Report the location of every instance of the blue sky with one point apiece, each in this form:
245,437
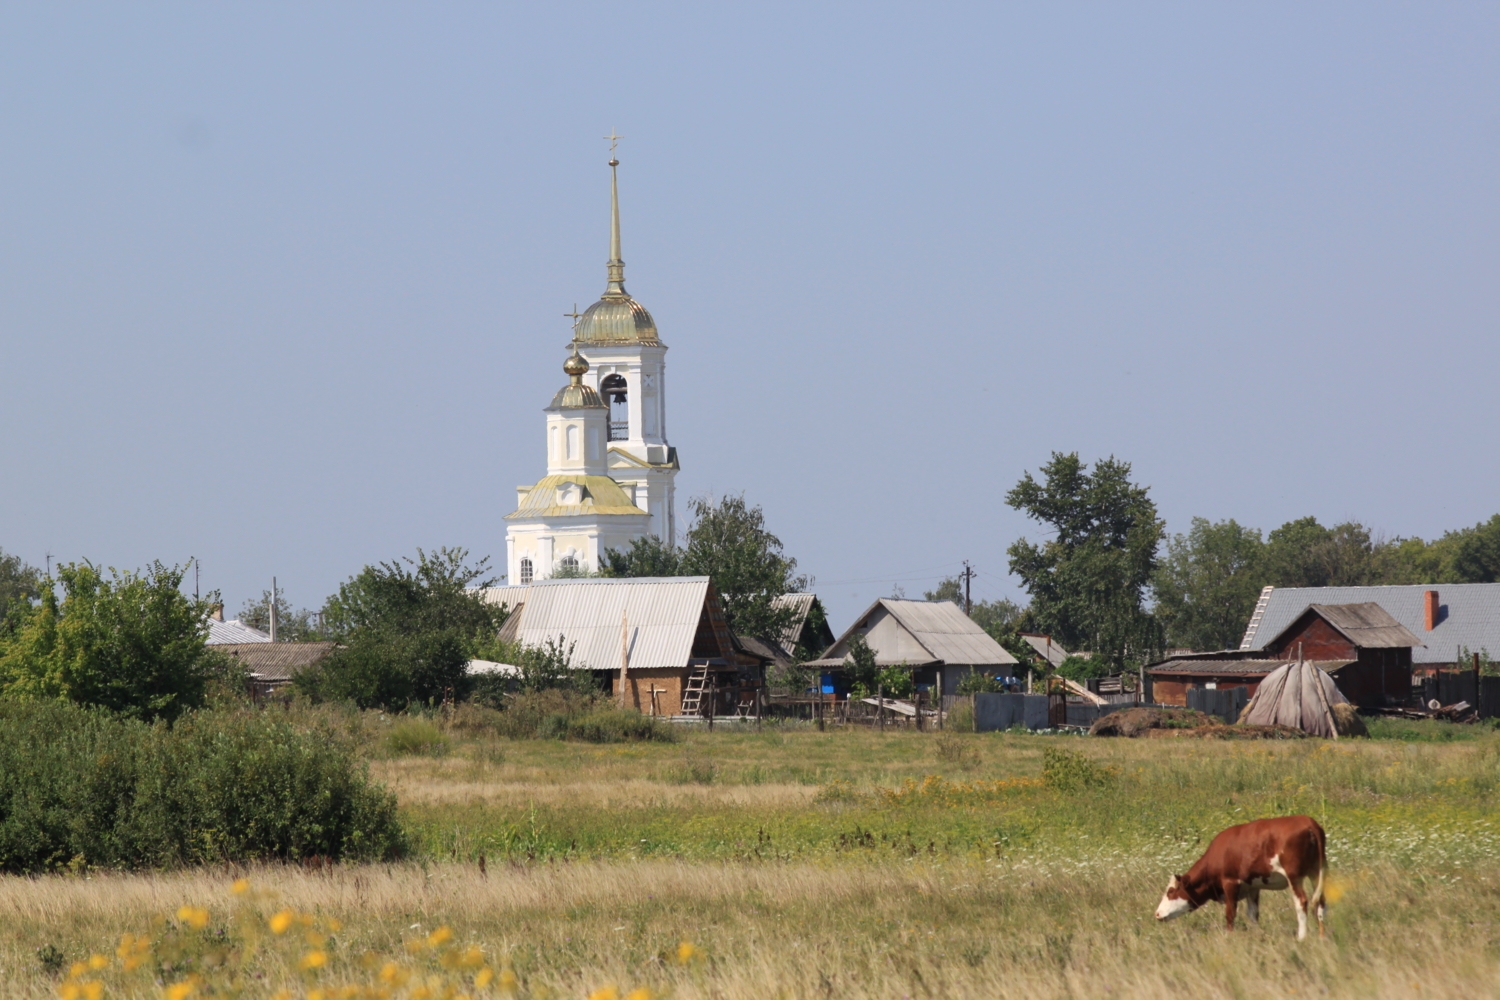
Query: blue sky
281,286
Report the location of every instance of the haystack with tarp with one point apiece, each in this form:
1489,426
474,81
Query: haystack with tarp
1298,695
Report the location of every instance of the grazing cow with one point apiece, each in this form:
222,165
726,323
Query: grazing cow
1243,860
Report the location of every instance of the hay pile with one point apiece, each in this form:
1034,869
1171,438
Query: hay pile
1138,721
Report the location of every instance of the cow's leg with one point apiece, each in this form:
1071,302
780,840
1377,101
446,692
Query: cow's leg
1231,897
1299,903
1252,905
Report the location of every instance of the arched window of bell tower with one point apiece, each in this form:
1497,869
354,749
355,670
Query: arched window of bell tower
612,388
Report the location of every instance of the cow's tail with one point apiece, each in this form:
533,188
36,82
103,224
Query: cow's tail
1316,900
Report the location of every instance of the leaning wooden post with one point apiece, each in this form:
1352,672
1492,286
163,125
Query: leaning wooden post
713,698
624,651
918,701
880,704
757,709
940,697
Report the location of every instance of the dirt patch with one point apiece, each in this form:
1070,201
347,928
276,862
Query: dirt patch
1139,721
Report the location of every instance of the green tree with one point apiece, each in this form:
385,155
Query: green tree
1475,553
18,586
292,625
727,540
860,670
1207,585
1087,583
648,556
407,632
133,643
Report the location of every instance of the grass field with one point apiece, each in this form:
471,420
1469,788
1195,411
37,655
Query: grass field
804,864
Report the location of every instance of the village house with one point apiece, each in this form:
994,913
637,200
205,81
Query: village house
1367,652
1447,617
935,639
665,638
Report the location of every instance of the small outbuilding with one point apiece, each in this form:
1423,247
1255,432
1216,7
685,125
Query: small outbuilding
934,638
1366,651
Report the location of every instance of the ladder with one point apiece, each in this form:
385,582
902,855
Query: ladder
1255,617
692,695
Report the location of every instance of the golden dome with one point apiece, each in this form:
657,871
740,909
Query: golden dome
575,366
575,395
616,318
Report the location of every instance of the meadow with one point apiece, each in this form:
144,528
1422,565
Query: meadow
797,863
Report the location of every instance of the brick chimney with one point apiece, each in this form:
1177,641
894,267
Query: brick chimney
1430,609
217,614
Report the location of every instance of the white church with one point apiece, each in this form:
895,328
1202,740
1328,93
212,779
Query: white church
610,471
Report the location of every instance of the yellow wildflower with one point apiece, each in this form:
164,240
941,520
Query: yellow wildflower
686,952
483,976
334,925
472,957
508,980
240,887
97,961
314,939
314,995
440,936
179,991
639,993
605,993
93,989
195,917
394,975
70,990
281,921
313,960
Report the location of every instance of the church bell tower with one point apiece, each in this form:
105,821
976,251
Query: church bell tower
627,367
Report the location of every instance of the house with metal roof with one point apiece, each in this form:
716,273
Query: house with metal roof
660,640
232,632
1366,651
1444,617
935,638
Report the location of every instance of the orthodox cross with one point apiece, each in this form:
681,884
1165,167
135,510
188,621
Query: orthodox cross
614,140
575,315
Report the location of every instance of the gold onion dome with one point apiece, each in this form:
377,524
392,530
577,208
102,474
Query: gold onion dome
575,395
616,318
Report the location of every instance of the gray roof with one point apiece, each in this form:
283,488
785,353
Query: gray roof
938,628
801,604
1046,648
1366,625
1468,614
276,662
1227,667
233,631
660,618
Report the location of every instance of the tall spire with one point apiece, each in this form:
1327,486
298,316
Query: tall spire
616,266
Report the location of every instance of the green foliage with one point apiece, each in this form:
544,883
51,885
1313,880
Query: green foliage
978,682
82,786
1088,582
1071,771
545,667
1475,553
292,624
1207,585
561,714
406,633
20,584
860,671
613,725
133,644
1082,668
415,736
793,677
1487,666
727,540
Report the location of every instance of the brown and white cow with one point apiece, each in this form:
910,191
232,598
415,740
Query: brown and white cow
1243,860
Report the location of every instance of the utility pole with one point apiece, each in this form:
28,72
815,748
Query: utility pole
272,615
967,576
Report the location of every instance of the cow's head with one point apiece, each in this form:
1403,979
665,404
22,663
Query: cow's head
1176,900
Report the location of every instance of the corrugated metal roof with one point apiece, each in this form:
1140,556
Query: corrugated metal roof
801,604
1220,668
277,661
1468,614
232,632
661,617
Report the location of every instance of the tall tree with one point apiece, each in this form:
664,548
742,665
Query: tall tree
18,585
1207,585
727,540
1088,582
408,627
132,643
1475,552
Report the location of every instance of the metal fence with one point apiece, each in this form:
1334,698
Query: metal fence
1449,687
1226,703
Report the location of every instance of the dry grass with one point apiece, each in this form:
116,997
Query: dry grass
961,930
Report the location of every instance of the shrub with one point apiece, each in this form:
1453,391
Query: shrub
1071,771
612,725
954,749
560,714
83,787
415,736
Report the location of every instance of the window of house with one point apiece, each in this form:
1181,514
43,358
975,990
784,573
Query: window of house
526,571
